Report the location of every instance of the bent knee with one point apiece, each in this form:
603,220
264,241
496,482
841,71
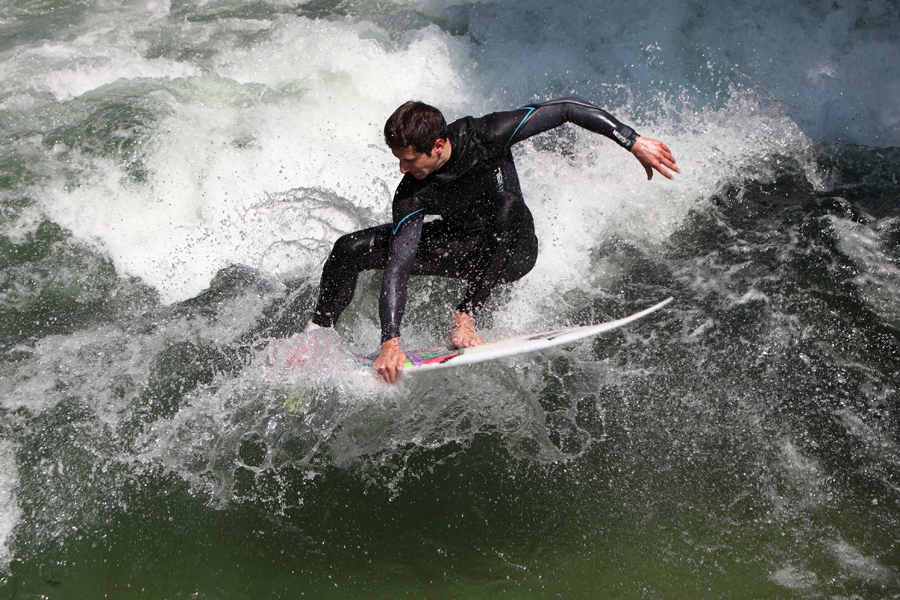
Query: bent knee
366,249
346,246
523,259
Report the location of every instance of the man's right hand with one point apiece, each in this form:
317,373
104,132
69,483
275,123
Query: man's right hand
389,363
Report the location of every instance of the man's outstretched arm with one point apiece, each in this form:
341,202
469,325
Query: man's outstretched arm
537,118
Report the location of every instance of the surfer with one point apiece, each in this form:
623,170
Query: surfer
464,174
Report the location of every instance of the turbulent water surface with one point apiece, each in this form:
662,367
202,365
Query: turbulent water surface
174,172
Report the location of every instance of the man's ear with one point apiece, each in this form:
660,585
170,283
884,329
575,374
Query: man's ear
439,145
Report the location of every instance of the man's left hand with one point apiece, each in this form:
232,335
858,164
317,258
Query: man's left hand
655,155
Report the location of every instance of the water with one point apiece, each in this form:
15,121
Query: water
172,175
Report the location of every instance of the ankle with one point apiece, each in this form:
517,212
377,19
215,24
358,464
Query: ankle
463,320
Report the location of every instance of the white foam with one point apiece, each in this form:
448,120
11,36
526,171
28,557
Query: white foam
104,50
303,107
879,274
225,150
860,566
10,513
795,578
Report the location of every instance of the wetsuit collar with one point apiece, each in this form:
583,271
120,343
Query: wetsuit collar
447,170
446,155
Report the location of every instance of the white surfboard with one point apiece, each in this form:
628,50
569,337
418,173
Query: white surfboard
444,357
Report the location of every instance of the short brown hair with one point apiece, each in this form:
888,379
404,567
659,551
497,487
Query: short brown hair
415,124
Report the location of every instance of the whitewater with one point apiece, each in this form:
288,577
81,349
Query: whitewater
172,177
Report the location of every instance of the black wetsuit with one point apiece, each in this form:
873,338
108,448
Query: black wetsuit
485,234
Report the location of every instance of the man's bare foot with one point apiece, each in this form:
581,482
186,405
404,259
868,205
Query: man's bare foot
304,351
462,331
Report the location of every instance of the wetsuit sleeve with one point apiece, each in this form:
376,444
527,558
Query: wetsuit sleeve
537,118
392,303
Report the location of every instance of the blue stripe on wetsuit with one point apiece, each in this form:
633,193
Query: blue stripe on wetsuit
397,228
530,110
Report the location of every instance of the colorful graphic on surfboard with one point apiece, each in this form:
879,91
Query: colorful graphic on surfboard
444,356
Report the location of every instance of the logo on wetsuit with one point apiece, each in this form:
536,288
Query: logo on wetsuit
499,175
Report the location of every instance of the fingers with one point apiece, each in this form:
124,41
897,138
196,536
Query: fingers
665,161
655,156
389,364
387,374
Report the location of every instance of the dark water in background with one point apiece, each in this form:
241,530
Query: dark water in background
172,176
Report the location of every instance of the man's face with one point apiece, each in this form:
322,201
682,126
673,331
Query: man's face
419,164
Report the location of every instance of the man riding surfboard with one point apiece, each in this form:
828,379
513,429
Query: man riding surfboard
463,173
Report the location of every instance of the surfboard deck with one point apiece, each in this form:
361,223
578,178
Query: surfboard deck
444,356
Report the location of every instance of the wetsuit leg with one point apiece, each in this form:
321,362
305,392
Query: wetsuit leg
482,261
352,254
483,258
519,257
501,253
